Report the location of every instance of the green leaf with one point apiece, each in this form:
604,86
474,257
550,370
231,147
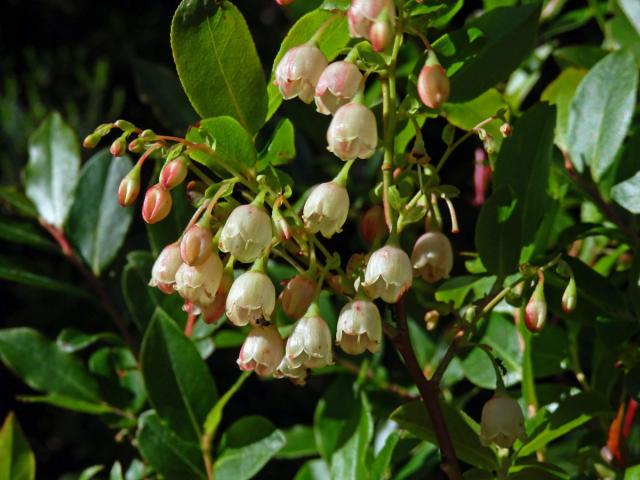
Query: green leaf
631,9
349,461
217,62
281,148
116,472
215,415
487,49
300,442
381,467
69,403
160,88
572,412
632,473
523,165
627,194
90,472
248,445
42,366
537,472
313,470
17,201
17,461
466,443
51,175
331,41
97,223
25,233
171,455
578,56
560,93
230,143
456,290
498,233
178,382
71,340
601,112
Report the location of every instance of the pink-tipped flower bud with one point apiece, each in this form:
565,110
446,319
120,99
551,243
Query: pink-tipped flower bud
298,375
432,256
506,129
570,297
337,85
198,284
118,147
502,422
381,32
359,327
157,204
353,132
195,246
246,233
298,72
326,209
309,344
297,295
281,227
129,187
388,274
284,3
213,312
373,226
252,299
481,177
174,173
363,13
433,86
163,273
261,351
536,310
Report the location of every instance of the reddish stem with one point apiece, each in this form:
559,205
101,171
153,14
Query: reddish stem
191,320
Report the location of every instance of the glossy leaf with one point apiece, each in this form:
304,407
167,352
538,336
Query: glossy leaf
71,340
90,472
627,194
466,443
69,403
51,175
249,444
24,233
560,93
578,56
178,382
281,148
17,201
487,49
17,461
43,366
601,112
381,467
456,290
217,62
97,223
631,10
300,442
171,455
332,39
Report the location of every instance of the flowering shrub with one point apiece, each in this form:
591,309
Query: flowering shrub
515,356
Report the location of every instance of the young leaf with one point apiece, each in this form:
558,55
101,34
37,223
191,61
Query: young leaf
97,223
217,62
171,455
601,113
17,461
52,172
178,382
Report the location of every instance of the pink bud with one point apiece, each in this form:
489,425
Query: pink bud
481,177
353,132
363,13
118,147
262,351
381,33
195,246
173,173
298,72
157,204
337,85
281,227
373,227
129,187
284,2
297,296
536,311
570,297
433,86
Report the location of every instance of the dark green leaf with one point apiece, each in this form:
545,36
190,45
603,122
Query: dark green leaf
466,443
578,56
627,194
71,340
69,403
160,88
120,378
25,234
97,223
52,172
349,461
300,442
601,112
559,93
249,444
218,64
487,49
17,461
42,366
281,148
171,455
179,385
18,202
332,39
498,232
381,467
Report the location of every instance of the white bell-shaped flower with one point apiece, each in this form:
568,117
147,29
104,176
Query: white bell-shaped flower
326,209
309,344
353,132
251,299
246,233
198,284
359,327
388,274
432,256
262,351
163,273
338,84
298,72
502,422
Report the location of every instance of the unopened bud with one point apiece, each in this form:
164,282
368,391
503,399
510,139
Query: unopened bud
173,173
373,227
136,145
281,227
570,297
506,129
129,187
433,86
297,296
381,32
157,204
195,246
125,125
431,319
195,191
91,140
536,311
148,135
118,147
481,177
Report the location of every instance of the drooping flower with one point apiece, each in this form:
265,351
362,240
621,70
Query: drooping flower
432,256
198,284
363,13
246,233
535,314
353,132
388,274
326,209
337,85
359,327
261,351
212,313
298,72
297,375
195,246
309,344
502,422
163,273
251,299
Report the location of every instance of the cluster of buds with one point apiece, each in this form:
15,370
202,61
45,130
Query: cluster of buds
373,20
